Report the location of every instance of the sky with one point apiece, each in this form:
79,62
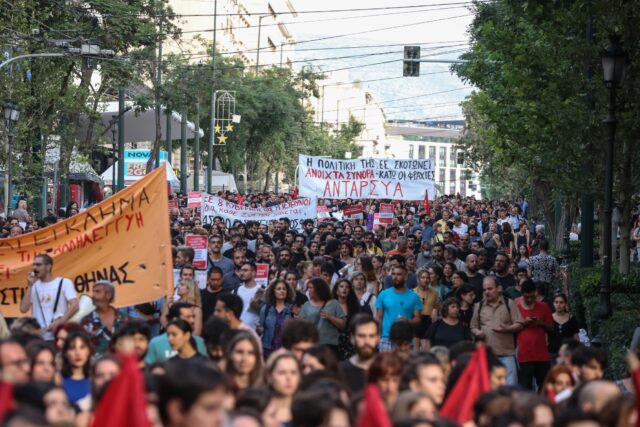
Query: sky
450,29
435,21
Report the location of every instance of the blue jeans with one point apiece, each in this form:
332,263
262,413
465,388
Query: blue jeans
509,362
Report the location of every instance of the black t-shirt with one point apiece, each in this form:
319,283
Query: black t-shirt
506,281
209,300
354,376
441,333
560,332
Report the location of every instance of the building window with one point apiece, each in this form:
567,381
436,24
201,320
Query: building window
452,175
442,176
463,188
452,158
432,154
452,188
421,151
443,157
411,152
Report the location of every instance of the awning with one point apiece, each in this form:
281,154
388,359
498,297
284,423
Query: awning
139,126
107,176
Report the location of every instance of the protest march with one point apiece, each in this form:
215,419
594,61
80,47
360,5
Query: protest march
360,299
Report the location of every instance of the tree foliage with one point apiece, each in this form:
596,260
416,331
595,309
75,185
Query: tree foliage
535,124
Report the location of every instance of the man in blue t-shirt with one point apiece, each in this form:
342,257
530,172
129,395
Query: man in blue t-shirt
397,303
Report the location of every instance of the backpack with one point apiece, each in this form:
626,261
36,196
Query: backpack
506,303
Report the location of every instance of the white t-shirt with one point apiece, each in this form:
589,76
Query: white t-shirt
43,298
461,229
247,294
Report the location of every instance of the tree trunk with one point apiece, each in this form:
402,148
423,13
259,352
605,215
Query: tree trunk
542,190
266,178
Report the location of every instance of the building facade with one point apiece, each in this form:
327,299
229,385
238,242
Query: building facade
255,30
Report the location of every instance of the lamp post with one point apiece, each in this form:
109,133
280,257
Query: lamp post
614,64
11,116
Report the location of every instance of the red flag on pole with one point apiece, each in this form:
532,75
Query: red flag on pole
124,404
472,383
373,413
427,210
295,192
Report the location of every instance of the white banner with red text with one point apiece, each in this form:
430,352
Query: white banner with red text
365,178
296,210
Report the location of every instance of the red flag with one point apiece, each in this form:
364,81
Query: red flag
472,383
124,404
6,399
373,412
427,209
295,192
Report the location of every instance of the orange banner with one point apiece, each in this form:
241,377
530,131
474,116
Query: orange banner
124,239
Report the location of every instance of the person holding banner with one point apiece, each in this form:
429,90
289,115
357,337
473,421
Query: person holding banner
53,300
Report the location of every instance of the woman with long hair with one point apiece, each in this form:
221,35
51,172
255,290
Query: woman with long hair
435,281
371,276
76,365
277,309
244,360
565,324
283,377
324,312
294,282
523,236
377,262
466,295
346,253
430,306
189,292
522,257
345,295
366,299
180,337
42,357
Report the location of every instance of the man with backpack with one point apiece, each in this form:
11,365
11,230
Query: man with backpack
496,321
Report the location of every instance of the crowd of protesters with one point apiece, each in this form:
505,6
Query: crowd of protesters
402,307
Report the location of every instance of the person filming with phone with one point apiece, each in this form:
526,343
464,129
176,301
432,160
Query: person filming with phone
53,300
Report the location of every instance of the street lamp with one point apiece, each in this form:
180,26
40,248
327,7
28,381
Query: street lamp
11,116
614,64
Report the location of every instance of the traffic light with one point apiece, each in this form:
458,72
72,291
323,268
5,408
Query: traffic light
410,67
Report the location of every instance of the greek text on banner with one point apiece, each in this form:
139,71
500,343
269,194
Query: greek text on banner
296,210
365,178
124,239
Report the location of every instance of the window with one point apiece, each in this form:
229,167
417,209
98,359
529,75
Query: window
411,152
441,177
443,157
421,151
452,175
452,188
452,158
463,188
432,154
